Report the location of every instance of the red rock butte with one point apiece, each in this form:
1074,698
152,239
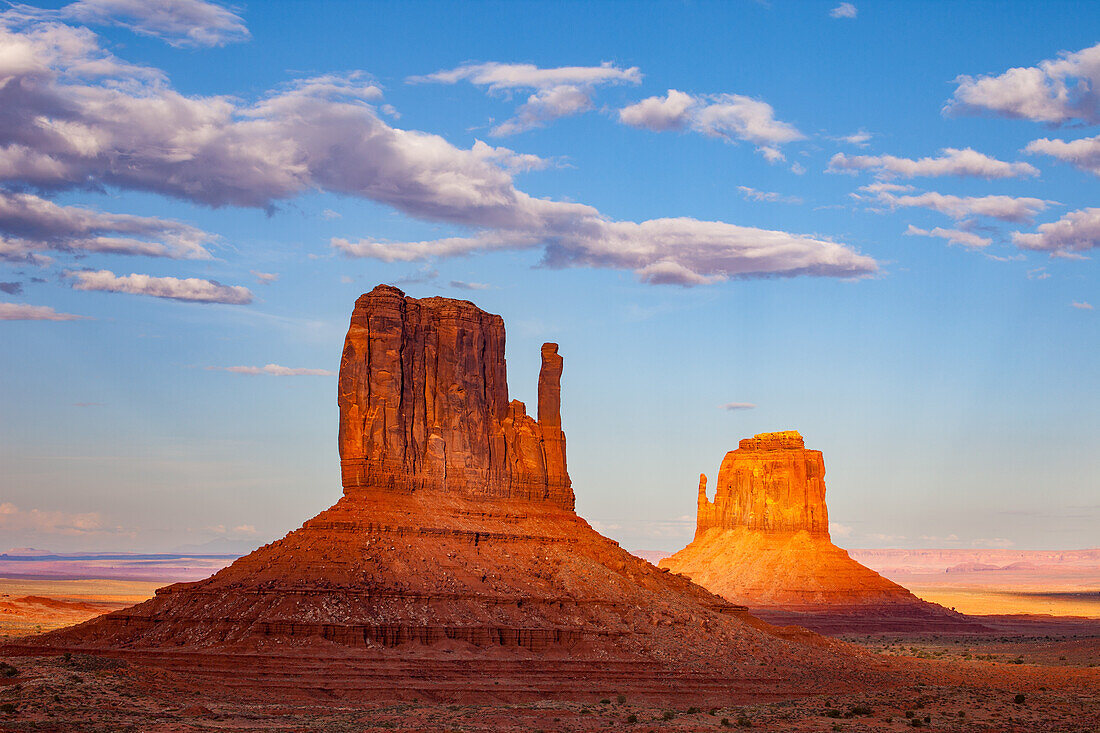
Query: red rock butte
763,541
454,567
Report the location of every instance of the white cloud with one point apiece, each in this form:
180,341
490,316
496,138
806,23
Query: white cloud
22,312
836,529
124,127
751,194
38,224
1056,91
1039,273
264,278
14,519
953,236
659,113
1006,208
738,406
859,139
1081,305
191,289
275,370
679,251
178,22
1075,232
952,162
558,92
1084,153
727,116
462,285
844,10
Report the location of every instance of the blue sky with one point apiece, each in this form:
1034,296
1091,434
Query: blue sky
874,223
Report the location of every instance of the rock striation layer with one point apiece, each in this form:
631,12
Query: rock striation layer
454,567
763,541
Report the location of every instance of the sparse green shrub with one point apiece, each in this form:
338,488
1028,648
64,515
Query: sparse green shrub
7,670
7,707
632,718
668,715
692,710
713,711
1019,699
832,713
909,713
726,723
915,723
605,701
859,710
743,721
620,698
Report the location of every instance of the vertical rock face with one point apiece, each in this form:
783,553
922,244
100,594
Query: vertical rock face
430,578
424,405
771,483
764,542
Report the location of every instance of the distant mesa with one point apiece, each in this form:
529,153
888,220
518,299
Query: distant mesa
763,542
454,567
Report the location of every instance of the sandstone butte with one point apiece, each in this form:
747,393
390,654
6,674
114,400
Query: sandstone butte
454,567
763,542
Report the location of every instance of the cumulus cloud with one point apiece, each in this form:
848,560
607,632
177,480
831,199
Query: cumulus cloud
1075,232
1081,305
738,406
35,224
844,10
1057,91
859,139
558,92
23,312
953,236
178,22
751,194
727,116
1017,209
952,162
190,289
15,519
1083,153
275,370
72,115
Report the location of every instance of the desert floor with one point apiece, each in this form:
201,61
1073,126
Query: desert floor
954,683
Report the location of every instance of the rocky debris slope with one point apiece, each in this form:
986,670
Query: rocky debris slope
454,566
763,541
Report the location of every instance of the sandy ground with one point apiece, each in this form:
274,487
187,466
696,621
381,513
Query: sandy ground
34,606
961,683
81,693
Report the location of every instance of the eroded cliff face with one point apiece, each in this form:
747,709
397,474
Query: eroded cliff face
453,567
764,542
771,483
424,405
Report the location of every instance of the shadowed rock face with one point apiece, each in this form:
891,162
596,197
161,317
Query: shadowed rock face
770,483
424,405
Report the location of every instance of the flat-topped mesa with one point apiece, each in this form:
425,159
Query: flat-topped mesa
770,483
424,405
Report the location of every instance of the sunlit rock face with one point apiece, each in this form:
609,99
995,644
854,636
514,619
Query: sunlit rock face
454,566
763,541
771,483
424,404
